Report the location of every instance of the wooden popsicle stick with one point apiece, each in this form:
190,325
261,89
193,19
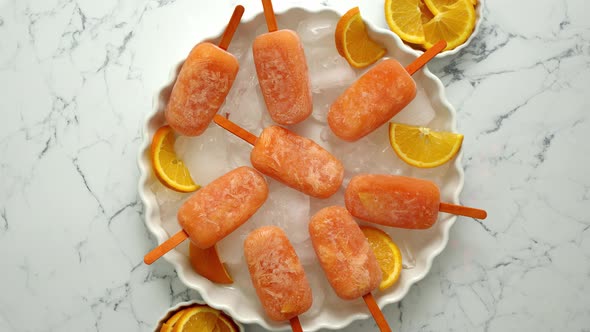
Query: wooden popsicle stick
231,28
235,129
463,210
163,248
295,324
425,57
269,15
376,312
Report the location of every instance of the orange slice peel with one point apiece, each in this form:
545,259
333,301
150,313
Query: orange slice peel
388,255
353,41
423,147
168,168
207,263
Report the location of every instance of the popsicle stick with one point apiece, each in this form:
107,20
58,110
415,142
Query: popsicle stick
163,248
376,312
295,324
232,26
235,129
463,210
425,57
269,15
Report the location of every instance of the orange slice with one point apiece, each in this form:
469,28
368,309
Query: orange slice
437,6
197,319
404,18
206,262
454,23
167,327
425,13
423,147
226,324
170,170
222,322
387,253
353,41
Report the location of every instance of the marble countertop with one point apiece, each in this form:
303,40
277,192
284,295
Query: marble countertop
77,79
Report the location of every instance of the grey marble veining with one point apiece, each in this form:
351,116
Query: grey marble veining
77,79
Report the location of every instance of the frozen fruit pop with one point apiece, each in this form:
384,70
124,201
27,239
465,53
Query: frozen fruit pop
376,97
282,72
217,209
203,83
222,206
296,161
277,274
345,255
399,201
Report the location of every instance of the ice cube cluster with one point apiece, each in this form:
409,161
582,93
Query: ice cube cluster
216,152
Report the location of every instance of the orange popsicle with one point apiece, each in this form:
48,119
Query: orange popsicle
344,253
222,206
203,83
371,101
277,274
376,97
346,258
216,210
399,201
282,72
298,162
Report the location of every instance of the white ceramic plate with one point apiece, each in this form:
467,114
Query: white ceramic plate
217,152
478,19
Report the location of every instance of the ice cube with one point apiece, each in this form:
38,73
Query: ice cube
317,204
261,29
238,152
231,248
355,155
383,159
319,286
408,259
242,282
241,47
322,100
333,141
316,30
288,209
265,119
165,195
243,103
305,251
371,154
436,174
329,70
247,112
205,155
418,113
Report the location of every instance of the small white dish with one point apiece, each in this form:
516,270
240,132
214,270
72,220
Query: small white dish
478,19
170,312
430,108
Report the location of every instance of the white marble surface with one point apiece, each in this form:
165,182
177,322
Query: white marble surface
77,79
